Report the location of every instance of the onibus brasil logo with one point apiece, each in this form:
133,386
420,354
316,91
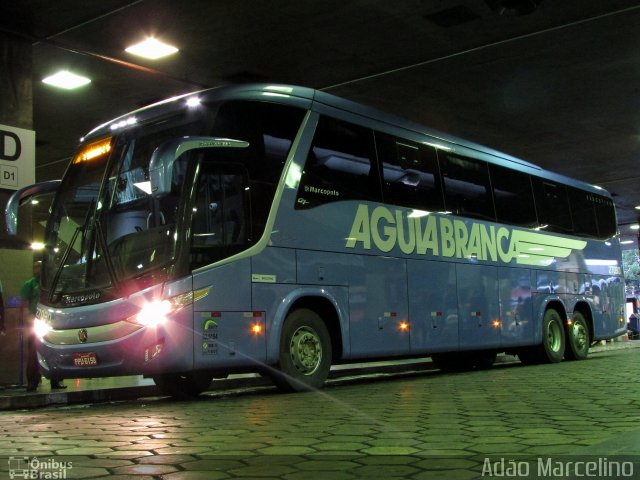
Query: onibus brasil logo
452,238
38,468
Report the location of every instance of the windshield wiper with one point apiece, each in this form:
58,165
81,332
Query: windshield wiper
107,255
63,261
67,251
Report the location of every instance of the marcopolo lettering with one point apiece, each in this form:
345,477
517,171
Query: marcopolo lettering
449,237
10,146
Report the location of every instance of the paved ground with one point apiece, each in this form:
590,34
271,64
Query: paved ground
426,425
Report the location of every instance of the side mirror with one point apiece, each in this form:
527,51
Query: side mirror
19,197
163,158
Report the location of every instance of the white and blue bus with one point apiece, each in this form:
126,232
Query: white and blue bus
281,230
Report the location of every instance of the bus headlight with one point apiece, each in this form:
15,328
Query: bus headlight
41,328
156,312
153,313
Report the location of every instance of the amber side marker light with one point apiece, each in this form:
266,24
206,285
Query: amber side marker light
403,326
495,323
256,328
93,150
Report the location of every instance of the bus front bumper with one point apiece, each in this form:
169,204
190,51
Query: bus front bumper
140,351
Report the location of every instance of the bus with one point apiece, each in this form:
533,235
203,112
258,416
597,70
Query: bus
281,230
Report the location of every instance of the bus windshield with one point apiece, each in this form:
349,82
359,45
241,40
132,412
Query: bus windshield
107,228
68,232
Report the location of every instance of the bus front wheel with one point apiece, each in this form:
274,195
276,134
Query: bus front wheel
305,352
578,340
182,386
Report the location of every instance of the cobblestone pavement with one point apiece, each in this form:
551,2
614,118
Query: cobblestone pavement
431,425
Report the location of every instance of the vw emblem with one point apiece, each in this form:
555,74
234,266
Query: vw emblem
83,335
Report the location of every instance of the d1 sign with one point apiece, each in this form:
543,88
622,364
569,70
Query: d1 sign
17,157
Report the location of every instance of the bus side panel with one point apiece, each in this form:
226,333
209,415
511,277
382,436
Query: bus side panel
227,339
230,287
516,308
324,268
222,320
377,305
433,306
478,306
274,265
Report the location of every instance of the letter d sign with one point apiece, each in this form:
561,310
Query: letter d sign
10,146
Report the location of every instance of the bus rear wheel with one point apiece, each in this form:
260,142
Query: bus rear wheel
305,352
578,339
182,386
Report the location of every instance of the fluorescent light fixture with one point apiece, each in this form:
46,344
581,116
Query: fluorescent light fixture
635,226
627,242
152,49
67,80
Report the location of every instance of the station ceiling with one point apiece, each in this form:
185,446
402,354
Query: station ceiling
554,82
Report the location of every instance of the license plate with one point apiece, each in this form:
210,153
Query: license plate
85,360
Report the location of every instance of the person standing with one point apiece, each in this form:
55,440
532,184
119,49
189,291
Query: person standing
29,296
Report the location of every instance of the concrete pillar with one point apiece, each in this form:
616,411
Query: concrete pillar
16,110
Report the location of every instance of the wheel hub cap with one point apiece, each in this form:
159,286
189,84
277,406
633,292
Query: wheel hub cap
305,350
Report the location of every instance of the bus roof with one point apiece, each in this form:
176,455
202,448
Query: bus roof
291,94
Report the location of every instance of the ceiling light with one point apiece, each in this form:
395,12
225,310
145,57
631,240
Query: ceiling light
626,242
67,80
635,226
637,207
152,49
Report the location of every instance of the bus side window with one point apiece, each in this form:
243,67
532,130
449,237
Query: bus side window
583,212
513,197
340,166
552,205
466,186
219,222
409,173
605,216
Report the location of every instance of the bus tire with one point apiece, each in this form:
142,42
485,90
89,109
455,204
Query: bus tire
578,339
552,348
305,352
553,337
182,386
